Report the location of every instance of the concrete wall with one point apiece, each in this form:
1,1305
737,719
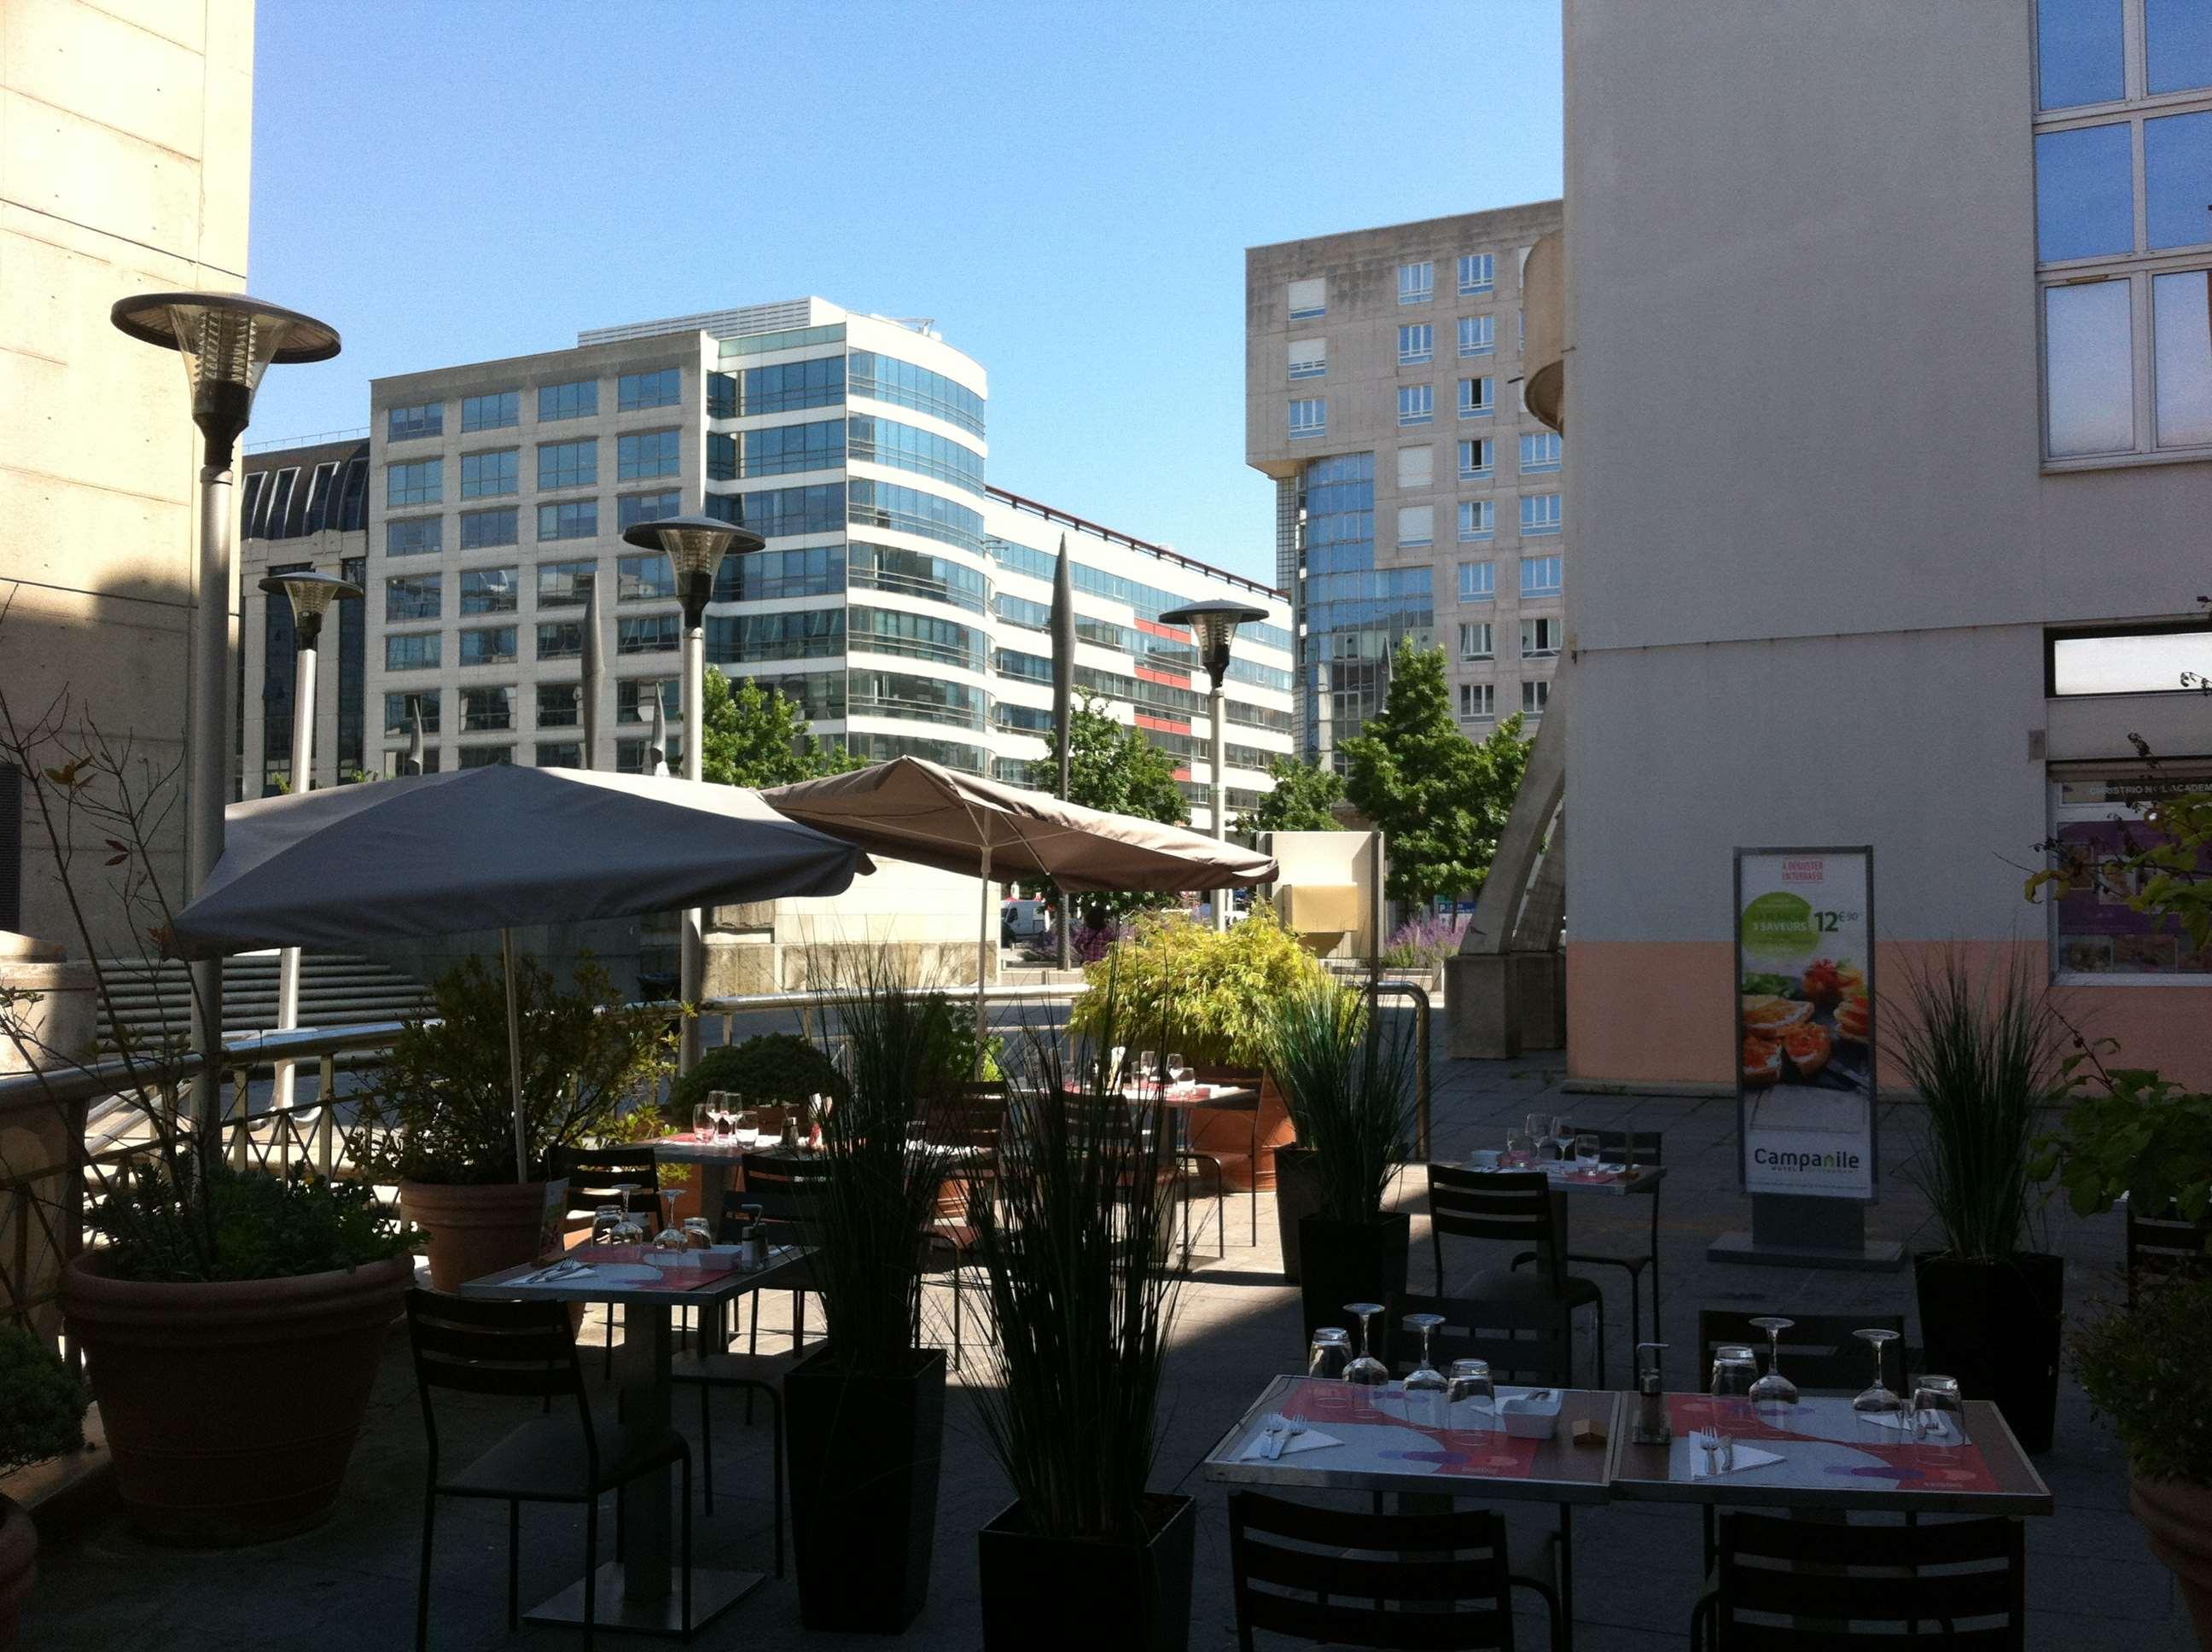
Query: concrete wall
928,921
125,137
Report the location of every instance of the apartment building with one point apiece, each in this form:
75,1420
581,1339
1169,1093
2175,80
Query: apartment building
1414,494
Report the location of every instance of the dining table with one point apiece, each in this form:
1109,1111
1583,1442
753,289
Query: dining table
638,1591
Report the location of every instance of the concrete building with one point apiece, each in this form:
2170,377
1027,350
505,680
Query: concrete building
1414,495
1891,388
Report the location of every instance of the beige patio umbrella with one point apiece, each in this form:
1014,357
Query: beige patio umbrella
915,811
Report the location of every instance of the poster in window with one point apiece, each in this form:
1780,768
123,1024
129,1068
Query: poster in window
2099,825
1805,1021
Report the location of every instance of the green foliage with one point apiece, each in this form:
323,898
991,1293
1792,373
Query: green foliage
2130,1134
588,1057
2149,1368
41,1405
1209,994
1348,1079
774,1068
1303,796
264,1227
755,737
1440,800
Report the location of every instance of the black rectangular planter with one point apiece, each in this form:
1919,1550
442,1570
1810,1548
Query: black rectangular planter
1996,1327
1074,1594
1298,1195
1350,1261
864,1454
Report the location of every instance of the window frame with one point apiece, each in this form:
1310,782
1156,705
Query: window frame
1417,344
1478,273
1486,344
1424,406
1416,282
1315,425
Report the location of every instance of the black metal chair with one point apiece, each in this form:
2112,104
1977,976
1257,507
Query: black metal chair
752,1375
1529,1343
2166,1246
1436,1580
1821,1352
596,1177
1247,1078
527,1350
782,1185
1636,1148
1515,1209
1961,1585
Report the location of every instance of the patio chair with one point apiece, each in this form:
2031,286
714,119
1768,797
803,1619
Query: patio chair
595,1176
753,1375
1527,1343
782,1187
1635,1148
1247,1078
1871,1586
1515,1209
2166,1246
1338,1577
525,1349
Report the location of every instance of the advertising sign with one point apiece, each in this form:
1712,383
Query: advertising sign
1805,1021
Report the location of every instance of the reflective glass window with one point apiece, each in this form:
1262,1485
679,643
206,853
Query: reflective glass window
2081,51
2088,352
2084,192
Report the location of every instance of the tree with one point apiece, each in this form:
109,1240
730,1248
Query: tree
755,737
1301,801
1112,765
1440,799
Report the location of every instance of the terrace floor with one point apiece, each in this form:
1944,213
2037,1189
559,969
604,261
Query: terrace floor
2092,1581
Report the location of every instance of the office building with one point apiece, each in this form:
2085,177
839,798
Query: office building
1414,495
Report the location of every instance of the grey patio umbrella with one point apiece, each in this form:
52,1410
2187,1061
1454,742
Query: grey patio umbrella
492,848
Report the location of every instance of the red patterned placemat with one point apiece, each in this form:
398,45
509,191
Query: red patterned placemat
1479,1453
1904,1463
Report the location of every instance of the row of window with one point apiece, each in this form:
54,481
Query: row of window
1541,453
1540,576
489,529
1149,601
1416,405
1308,297
1478,701
501,410
1540,638
276,505
1478,520
493,472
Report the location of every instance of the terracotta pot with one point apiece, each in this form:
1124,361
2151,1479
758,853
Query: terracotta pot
231,1409
2177,1517
1212,1131
476,1230
19,1566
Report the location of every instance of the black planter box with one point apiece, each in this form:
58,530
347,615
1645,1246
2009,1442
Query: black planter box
1075,1594
1350,1261
1298,1195
1996,1327
864,1454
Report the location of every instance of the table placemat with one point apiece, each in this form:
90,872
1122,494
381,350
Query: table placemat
1825,1440
1373,1423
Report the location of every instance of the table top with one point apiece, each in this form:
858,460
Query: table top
1833,1459
1383,1450
685,1148
1566,1179
1179,1095
617,1273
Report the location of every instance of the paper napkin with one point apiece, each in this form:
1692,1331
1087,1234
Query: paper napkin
1746,1457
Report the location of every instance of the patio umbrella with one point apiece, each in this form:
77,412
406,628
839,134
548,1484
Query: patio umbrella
916,811
491,848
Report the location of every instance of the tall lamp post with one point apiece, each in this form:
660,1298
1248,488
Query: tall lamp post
696,545
1215,624
228,341
312,595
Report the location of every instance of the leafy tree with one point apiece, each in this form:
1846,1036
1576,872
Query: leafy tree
1300,802
1112,765
755,737
1440,799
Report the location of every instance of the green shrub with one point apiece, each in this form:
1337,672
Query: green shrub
261,1226
1348,1079
1214,993
41,1405
2149,1368
776,1067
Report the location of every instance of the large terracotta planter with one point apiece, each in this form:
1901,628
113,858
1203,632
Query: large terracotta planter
19,1565
1215,1132
2177,1517
475,1230
231,1409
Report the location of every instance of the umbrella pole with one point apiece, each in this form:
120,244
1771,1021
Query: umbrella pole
514,1056
982,958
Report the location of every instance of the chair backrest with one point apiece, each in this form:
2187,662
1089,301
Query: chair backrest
1236,1078
485,1346
1820,1351
781,1184
1525,1342
1625,1146
594,1173
1514,1208
2166,1246
970,1115
1960,1585
1355,1579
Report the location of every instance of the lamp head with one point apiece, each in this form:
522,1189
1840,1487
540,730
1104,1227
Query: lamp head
312,595
228,341
1214,624
696,546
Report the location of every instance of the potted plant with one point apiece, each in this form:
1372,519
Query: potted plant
2148,1367
1349,1077
1079,1249
442,1111
41,1416
773,1067
1986,1054
864,1414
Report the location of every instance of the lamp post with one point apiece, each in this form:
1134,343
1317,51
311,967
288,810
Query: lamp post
696,546
1215,625
312,595
228,341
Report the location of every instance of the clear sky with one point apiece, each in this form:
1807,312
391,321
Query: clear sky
1067,189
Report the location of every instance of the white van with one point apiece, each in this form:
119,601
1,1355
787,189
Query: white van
1023,920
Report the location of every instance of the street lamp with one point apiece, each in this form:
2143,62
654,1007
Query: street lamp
1215,625
696,546
228,341
312,595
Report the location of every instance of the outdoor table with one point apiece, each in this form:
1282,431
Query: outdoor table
1565,1179
1383,1450
1181,1100
639,1591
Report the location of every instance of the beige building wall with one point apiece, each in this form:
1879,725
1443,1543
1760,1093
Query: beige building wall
125,167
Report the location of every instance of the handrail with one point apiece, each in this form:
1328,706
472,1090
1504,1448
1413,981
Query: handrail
90,1081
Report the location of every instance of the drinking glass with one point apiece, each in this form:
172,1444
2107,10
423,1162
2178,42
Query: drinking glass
1518,1154
1774,1389
1939,1411
1878,1400
1539,1125
1586,1158
1178,1069
1470,1380
1147,1065
628,1230
1735,1369
697,1234
1330,1353
1544,1137
1366,1370
604,1220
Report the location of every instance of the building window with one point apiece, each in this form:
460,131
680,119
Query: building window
635,756
721,395
1417,403
401,709
568,463
413,650
1542,576
414,423
1416,526
1417,344
2154,660
1477,459
787,449
489,591
573,518
485,710
413,597
1309,358
560,754
819,381
633,508
421,481
1541,453
649,453
490,645
645,578
489,475
1309,297
414,535
1477,640
1535,695
1310,417
500,410
1539,638
559,640
485,756
578,400
1417,468
634,391
722,456
2099,818
1478,701
1478,581
482,529
1478,334
648,634
634,699
1477,398
557,707
1539,513
1477,272
562,585
1477,519
1416,282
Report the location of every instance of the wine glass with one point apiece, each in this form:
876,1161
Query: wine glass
1366,1370
1878,1400
1330,1353
1773,1390
1939,1411
1518,1153
604,1220
1425,1384
1148,1063
1178,1069
1586,1154
671,1236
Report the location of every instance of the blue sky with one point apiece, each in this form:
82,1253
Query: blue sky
1068,189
